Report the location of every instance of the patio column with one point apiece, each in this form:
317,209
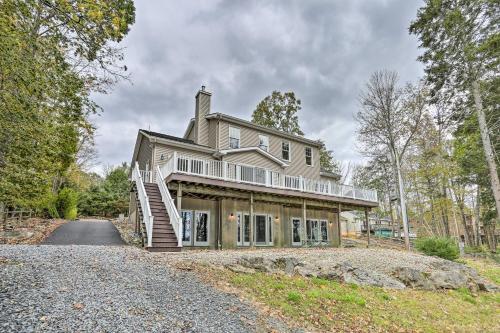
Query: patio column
339,225
251,220
367,226
179,198
304,217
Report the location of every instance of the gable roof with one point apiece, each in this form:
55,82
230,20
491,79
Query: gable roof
189,128
247,123
256,149
168,137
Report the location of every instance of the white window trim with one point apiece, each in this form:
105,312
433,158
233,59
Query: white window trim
312,156
267,137
289,150
193,228
299,243
239,136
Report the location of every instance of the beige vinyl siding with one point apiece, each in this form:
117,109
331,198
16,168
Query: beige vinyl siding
167,150
252,158
144,154
212,133
201,124
249,137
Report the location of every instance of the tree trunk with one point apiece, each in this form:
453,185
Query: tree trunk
403,202
488,149
477,215
444,212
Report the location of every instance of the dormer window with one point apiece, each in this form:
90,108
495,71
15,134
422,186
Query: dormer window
309,155
285,150
264,142
234,137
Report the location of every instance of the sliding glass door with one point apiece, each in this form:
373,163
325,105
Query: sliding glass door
317,231
195,227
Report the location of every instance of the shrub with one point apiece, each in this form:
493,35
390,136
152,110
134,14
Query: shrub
293,296
440,247
67,201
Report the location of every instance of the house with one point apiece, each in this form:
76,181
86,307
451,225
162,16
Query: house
349,224
229,183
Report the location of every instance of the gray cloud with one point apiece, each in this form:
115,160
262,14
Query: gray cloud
324,51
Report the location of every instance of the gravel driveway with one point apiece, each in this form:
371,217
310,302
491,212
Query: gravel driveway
51,288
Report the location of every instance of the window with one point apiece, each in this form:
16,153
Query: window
317,231
285,150
234,137
309,155
296,231
264,142
201,228
187,221
263,229
243,223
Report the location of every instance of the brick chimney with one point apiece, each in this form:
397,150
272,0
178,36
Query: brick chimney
202,108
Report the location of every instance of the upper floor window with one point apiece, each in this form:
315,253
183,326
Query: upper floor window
285,150
234,137
264,142
309,155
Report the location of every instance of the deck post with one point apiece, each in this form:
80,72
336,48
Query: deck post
367,226
304,224
179,198
339,225
251,220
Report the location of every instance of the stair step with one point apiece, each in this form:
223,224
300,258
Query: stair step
164,249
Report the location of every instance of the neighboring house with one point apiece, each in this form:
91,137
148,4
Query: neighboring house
350,224
229,183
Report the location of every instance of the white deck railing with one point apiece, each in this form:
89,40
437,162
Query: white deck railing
175,218
144,201
240,173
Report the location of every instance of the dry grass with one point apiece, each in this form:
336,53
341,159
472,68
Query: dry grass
30,231
324,306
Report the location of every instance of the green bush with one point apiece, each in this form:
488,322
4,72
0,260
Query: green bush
67,201
440,247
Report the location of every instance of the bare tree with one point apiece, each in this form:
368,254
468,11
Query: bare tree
389,117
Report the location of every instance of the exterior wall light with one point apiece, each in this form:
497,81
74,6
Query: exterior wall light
232,218
276,219
162,157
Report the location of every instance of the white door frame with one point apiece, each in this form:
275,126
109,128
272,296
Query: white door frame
268,237
190,242
240,216
196,243
299,243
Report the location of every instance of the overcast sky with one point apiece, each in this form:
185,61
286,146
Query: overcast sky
324,51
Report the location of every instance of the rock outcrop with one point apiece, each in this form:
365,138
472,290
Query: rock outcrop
442,274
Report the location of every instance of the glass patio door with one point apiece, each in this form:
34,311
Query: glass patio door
296,231
317,231
243,226
187,222
201,228
263,231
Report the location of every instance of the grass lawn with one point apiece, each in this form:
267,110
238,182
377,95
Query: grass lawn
331,306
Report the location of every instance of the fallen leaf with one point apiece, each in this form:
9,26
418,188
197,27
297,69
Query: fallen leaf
78,306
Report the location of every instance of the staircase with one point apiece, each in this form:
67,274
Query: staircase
164,238
160,222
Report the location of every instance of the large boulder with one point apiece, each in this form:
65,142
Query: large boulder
440,274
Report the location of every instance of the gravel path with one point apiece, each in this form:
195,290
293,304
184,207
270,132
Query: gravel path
82,288
380,260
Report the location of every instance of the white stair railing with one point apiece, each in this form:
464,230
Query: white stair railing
144,201
175,218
